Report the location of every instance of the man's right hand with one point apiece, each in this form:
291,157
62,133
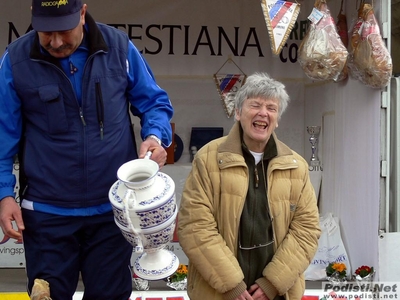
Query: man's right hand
10,211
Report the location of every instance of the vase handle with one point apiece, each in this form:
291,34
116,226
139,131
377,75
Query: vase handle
129,203
148,155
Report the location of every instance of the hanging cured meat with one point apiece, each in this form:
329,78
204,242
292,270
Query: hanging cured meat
341,26
322,54
369,60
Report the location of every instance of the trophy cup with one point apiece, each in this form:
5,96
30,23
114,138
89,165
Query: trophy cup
313,131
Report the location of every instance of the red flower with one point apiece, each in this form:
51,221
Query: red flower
364,271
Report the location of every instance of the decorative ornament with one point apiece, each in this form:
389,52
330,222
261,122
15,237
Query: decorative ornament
280,17
227,86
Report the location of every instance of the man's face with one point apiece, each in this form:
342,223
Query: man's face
62,44
259,118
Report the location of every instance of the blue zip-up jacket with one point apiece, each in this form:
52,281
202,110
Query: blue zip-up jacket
73,147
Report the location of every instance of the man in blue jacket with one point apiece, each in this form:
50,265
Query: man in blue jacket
66,89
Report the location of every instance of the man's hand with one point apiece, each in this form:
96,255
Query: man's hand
10,211
159,155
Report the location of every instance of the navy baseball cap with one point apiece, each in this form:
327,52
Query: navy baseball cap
55,15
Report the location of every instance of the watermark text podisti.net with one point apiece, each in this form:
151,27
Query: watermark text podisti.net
354,290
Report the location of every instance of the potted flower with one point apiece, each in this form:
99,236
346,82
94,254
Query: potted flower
336,268
364,271
336,272
364,274
178,280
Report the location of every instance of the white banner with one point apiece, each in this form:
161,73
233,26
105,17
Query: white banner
184,37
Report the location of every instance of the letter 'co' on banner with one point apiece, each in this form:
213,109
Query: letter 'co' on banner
280,17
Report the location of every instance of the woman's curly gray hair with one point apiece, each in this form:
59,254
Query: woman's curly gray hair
261,85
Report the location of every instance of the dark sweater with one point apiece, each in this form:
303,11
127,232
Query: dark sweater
255,223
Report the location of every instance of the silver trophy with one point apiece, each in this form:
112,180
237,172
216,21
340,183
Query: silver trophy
313,131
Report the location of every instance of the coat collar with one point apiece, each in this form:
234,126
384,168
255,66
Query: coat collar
233,143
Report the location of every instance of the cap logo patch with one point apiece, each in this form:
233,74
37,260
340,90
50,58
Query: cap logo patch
54,3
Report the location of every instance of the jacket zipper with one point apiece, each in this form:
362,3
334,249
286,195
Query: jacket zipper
81,116
100,109
256,178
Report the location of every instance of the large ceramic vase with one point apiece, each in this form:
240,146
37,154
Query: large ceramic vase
144,206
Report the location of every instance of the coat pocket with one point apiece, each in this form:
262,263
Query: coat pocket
53,101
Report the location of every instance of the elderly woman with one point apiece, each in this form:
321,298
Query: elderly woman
248,219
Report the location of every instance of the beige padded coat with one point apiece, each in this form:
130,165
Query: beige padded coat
210,210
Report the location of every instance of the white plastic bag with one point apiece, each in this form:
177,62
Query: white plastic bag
330,249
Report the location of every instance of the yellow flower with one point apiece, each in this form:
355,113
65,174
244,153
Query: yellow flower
180,273
340,267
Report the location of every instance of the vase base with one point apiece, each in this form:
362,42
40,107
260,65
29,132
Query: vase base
156,265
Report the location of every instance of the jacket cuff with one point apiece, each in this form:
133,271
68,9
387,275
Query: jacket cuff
235,292
267,287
